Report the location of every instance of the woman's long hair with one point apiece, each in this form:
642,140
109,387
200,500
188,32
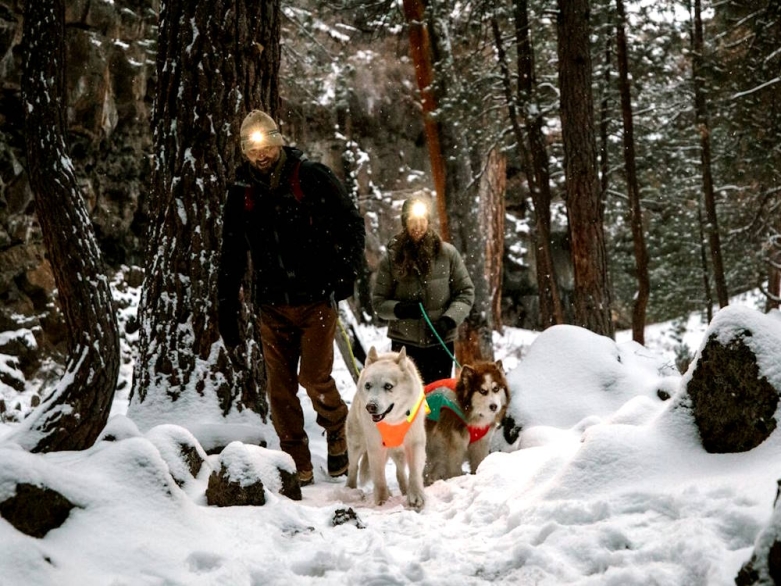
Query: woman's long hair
412,257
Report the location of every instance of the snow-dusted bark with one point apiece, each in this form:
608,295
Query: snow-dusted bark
77,410
216,61
584,205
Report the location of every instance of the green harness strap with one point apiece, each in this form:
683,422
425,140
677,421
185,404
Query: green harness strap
443,397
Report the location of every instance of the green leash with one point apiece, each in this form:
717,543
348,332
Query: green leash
430,325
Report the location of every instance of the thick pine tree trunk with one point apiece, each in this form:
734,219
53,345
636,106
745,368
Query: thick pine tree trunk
703,126
633,189
584,205
211,72
76,411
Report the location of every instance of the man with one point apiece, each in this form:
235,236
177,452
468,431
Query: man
306,240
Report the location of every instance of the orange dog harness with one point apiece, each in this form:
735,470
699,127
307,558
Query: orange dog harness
393,435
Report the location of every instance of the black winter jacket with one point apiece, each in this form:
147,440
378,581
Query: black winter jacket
302,251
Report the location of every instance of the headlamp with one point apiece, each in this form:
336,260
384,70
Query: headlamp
256,136
419,210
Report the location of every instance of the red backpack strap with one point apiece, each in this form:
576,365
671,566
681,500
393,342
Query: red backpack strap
249,201
295,183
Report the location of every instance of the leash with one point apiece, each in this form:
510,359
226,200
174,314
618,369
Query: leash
433,329
349,346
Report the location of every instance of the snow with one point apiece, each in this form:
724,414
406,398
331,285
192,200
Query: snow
607,485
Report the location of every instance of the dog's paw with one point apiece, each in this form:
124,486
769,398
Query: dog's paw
415,501
381,496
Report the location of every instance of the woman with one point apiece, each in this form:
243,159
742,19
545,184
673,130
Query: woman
419,268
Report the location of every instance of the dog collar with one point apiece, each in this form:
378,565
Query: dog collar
393,434
477,433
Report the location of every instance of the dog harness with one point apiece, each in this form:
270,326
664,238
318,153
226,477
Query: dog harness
393,434
440,395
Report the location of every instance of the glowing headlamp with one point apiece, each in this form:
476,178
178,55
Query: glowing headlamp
256,136
419,210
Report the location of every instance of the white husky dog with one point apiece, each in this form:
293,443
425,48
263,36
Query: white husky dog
387,418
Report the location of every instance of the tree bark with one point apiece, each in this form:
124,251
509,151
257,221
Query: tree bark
534,160
76,411
633,189
584,205
420,49
211,73
703,126
551,308
452,174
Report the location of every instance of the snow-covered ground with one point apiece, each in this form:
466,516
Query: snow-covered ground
607,485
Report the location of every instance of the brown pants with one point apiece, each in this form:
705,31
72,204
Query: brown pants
306,333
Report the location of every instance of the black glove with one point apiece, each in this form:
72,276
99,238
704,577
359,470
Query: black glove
407,310
443,325
229,328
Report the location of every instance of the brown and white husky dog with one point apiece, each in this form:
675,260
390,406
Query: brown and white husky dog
464,415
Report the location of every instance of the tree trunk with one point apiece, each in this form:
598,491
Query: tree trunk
584,206
493,184
76,411
534,160
636,213
467,231
420,49
453,181
551,309
211,72
703,126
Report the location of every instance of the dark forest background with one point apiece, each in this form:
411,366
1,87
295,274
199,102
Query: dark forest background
685,127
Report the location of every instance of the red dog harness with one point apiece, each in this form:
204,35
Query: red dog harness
440,395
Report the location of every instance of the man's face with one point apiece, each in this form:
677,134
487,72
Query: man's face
263,158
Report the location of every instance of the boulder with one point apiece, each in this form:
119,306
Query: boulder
35,510
733,403
243,472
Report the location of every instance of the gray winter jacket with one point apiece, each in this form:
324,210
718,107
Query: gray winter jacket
447,290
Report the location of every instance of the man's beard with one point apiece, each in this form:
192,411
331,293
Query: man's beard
416,257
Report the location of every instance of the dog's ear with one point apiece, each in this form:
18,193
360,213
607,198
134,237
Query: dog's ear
466,372
401,358
371,356
499,366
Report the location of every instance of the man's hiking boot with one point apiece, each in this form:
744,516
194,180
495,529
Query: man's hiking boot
305,477
337,453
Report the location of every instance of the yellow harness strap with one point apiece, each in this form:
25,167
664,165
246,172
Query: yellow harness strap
393,435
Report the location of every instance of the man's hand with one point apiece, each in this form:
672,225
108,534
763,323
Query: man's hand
407,310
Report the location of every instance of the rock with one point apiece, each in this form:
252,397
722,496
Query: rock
35,510
243,472
180,450
733,405
764,567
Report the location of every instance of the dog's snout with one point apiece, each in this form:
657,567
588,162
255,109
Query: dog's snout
494,407
372,408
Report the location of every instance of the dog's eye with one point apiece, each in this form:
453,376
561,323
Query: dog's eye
367,386
483,391
387,386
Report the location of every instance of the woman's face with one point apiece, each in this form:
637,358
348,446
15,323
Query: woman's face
417,226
